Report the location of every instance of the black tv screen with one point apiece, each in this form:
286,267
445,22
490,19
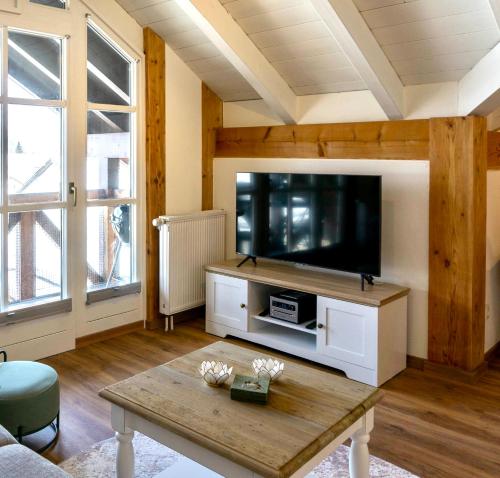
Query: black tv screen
323,220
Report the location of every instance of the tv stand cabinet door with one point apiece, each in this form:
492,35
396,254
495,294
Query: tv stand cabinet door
347,332
227,301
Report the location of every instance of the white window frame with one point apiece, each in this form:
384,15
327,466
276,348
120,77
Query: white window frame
36,308
134,286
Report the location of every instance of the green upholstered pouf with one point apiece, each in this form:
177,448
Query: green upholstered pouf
29,397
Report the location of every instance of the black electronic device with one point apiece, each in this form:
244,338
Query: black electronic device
292,306
325,220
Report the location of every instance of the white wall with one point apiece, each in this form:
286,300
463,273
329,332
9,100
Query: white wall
493,261
347,107
183,136
427,101
329,108
421,101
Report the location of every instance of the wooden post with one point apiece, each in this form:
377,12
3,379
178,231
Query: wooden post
211,119
493,150
457,241
154,49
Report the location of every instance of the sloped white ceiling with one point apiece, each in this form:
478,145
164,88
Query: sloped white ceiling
431,41
186,39
426,41
296,42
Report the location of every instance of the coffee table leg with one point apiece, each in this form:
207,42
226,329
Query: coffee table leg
359,456
125,460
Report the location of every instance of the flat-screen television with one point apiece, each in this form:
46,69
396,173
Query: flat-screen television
324,220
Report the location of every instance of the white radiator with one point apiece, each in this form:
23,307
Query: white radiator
187,244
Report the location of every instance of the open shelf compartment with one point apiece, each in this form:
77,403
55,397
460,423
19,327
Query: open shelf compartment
289,325
286,339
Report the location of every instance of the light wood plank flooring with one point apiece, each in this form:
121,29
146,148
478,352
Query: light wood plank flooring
433,427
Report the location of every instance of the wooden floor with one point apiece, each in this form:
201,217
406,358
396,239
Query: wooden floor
429,425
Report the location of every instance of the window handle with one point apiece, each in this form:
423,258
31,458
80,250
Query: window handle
73,190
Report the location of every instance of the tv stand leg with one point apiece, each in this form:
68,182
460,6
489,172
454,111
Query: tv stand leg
368,278
254,260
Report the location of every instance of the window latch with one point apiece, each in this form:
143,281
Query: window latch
73,190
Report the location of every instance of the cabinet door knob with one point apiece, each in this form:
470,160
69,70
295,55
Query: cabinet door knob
242,306
320,326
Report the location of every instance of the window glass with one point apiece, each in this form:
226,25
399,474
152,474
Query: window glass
110,162
108,246
108,155
108,72
34,66
51,3
34,256
34,159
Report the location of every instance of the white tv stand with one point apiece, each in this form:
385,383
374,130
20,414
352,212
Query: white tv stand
362,333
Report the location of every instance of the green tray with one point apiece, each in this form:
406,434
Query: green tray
250,389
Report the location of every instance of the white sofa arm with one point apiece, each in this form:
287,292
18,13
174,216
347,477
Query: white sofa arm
6,438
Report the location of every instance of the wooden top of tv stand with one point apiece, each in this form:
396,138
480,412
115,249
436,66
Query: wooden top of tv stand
325,284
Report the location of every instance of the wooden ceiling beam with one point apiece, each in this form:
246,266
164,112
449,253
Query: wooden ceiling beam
479,89
233,43
373,140
357,41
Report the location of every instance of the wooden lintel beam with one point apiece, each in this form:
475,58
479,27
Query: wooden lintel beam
211,120
373,140
154,49
493,150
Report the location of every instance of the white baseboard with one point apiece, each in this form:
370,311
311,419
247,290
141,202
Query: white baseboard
41,347
109,322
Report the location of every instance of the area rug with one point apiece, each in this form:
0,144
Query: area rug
151,458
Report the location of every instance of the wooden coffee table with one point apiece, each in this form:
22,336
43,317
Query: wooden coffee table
309,414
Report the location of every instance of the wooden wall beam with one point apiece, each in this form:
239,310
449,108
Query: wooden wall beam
154,49
493,150
457,241
373,140
211,120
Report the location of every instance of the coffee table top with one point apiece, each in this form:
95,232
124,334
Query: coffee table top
307,409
